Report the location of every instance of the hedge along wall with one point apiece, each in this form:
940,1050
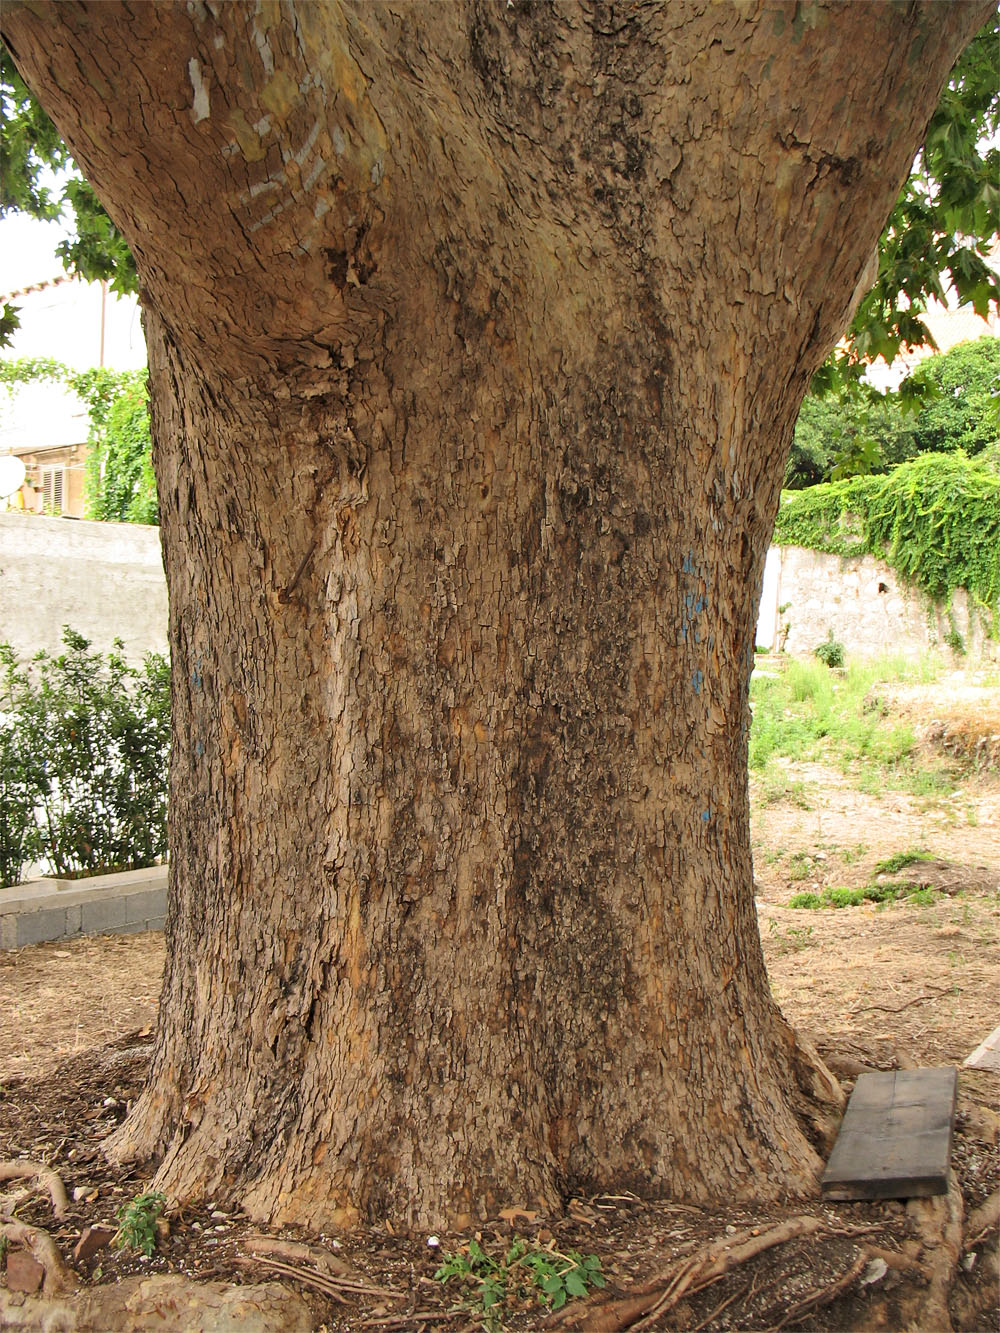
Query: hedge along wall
104,579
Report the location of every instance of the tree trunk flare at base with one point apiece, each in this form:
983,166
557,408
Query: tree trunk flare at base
477,335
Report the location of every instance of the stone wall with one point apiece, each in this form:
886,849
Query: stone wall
863,602
104,580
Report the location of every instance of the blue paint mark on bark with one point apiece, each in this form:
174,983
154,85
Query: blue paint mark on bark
696,681
706,815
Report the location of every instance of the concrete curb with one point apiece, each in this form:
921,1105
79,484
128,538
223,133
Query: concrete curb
52,909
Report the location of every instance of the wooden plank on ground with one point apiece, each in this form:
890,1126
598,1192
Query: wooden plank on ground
987,1053
895,1138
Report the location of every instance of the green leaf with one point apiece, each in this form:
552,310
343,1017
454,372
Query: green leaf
576,1283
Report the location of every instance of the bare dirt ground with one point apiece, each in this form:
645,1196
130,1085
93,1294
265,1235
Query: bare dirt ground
908,983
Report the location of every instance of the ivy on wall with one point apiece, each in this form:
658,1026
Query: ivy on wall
120,483
935,520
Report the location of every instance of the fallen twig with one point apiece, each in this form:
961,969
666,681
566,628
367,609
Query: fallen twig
901,1262
888,1009
325,1282
294,1251
58,1277
45,1176
387,1321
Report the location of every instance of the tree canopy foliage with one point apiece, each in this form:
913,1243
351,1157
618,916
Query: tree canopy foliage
39,177
868,433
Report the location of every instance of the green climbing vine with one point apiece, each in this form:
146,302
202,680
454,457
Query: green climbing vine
120,483
935,520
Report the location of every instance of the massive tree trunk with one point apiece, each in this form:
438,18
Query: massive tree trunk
477,333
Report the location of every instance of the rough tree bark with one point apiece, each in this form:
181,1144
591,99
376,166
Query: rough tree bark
477,333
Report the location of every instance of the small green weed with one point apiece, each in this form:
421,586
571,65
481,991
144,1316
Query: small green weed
551,1277
923,897
137,1223
799,866
805,900
843,897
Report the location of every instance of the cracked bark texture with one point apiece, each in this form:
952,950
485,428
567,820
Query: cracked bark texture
477,334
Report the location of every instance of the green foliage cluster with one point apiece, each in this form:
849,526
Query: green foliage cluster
121,487
943,224
83,760
830,652
34,162
137,1223
936,520
550,1277
951,402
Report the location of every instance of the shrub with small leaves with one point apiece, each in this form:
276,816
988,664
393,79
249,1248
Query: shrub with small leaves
83,760
831,651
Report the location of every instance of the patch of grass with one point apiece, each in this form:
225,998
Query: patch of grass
805,900
843,897
890,892
852,854
794,937
923,896
775,787
840,719
899,860
799,866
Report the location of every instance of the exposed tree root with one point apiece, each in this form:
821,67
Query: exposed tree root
901,1262
58,1278
642,1308
822,1295
297,1251
983,1219
940,1223
339,1288
44,1176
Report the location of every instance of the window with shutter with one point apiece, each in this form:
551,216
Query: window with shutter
52,489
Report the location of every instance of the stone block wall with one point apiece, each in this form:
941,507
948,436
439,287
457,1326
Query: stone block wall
49,909
864,602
